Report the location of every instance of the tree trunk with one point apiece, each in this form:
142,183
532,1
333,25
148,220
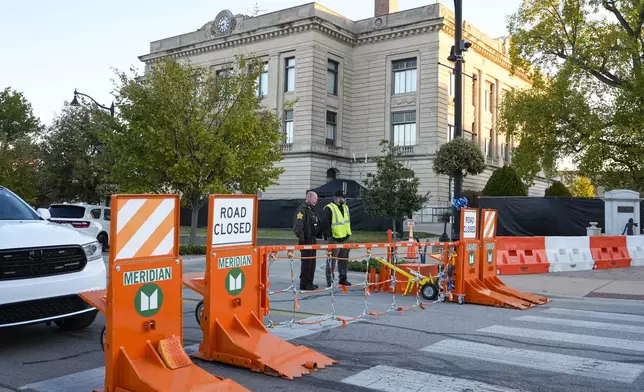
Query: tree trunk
195,206
393,227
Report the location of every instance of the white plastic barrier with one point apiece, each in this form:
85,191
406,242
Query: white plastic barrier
569,254
635,244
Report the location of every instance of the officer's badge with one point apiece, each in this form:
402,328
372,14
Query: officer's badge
300,215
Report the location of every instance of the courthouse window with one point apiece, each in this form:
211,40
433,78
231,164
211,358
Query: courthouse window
262,82
332,77
405,72
331,127
404,128
288,127
452,81
289,84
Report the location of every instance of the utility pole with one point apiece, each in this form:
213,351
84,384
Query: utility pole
456,56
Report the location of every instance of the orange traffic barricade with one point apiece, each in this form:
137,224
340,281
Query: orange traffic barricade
234,291
487,263
468,286
609,252
143,302
521,255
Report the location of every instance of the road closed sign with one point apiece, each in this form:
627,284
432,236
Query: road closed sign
469,221
233,221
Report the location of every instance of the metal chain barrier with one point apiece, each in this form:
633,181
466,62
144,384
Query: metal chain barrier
373,253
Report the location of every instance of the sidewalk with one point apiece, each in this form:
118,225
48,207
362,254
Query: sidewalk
622,283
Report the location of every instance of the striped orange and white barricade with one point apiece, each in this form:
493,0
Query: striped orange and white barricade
143,301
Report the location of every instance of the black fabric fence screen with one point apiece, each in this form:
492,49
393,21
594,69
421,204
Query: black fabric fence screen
278,214
545,216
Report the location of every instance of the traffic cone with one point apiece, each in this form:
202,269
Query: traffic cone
411,249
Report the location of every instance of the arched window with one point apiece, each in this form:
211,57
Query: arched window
331,174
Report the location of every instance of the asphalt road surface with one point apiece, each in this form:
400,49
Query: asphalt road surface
566,346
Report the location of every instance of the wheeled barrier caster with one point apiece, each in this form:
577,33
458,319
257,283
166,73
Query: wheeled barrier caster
199,312
103,338
461,299
429,291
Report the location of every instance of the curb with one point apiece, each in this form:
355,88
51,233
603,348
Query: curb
625,302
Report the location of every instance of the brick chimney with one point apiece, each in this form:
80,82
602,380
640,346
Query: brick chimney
385,7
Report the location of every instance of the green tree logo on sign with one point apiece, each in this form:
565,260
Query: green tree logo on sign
471,258
148,300
235,281
489,256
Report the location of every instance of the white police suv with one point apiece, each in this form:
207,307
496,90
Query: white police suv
43,268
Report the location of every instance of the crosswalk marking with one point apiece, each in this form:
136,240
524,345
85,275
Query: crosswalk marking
390,379
589,340
539,360
591,314
582,324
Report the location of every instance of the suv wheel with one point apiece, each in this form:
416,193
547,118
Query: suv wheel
75,323
102,239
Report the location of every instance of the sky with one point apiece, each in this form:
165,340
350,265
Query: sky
49,48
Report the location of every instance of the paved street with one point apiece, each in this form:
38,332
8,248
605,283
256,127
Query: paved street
568,345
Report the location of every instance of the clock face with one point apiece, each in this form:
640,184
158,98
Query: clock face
224,23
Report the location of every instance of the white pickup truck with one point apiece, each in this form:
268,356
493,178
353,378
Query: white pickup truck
43,268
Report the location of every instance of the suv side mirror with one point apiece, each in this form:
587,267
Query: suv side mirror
44,213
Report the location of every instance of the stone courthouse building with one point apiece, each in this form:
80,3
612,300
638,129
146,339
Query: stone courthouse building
358,82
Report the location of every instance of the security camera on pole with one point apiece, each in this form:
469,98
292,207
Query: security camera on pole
456,56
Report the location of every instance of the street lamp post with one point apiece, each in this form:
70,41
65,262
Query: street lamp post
456,56
75,102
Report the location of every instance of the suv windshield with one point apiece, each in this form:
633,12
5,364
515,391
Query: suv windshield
67,211
13,208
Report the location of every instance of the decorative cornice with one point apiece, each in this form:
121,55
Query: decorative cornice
337,33
485,50
313,23
370,38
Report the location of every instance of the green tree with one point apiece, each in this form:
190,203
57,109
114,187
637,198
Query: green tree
505,182
18,151
557,189
71,168
582,187
393,190
191,131
587,100
459,156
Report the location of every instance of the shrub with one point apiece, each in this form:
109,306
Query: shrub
361,266
505,182
186,249
557,189
459,156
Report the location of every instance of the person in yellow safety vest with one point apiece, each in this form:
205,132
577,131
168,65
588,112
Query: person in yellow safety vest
336,223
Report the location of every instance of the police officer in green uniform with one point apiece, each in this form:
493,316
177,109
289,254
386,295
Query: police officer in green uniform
337,229
306,226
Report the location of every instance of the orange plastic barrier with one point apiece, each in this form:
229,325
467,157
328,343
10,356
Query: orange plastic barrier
521,255
487,274
234,289
469,288
609,252
143,302
488,265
